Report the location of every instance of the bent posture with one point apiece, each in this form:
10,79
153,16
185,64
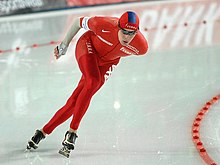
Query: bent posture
98,50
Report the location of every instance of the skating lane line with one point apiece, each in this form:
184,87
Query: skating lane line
196,134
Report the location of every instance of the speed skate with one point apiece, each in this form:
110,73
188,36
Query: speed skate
30,145
68,143
34,141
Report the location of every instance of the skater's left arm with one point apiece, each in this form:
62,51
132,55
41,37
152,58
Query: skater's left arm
62,48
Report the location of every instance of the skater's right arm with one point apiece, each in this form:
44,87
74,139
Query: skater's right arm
62,48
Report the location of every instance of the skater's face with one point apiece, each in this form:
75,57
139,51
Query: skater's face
125,36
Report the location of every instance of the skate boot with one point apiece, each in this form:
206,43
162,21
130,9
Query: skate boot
68,144
34,141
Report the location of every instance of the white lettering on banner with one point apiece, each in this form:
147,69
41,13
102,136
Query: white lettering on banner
164,19
190,16
193,34
208,30
109,72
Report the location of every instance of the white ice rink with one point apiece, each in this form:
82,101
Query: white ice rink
142,116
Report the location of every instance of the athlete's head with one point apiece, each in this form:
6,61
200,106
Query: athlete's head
129,25
129,20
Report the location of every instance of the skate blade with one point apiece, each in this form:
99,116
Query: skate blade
27,150
31,145
64,153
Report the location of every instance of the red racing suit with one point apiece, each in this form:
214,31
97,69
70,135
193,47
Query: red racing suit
97,52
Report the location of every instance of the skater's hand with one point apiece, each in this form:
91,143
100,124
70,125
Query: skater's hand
60,50
56,53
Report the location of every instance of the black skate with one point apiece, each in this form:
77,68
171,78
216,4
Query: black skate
34,141
68,144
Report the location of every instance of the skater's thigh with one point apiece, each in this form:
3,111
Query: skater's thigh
87,57
89,66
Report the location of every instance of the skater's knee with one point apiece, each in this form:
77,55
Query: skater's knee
93,83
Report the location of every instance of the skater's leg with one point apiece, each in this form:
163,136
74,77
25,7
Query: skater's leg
65,112
89,67
95,76
90,70
83,99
